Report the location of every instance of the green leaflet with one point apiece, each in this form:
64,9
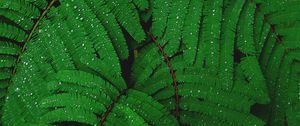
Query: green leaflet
255,78
195,119
190,35
211,35
77,115
73,101
7,48
264,36
123,10
101,43
141,4
16,21
161,10
7,61
269,44
152,111
5,75
90,60
21,6
148,60
245,40
89,80
207,108
108,20
172,37
124,115
17,17
61,59
258,28
231,16
280,17
39,3
11,32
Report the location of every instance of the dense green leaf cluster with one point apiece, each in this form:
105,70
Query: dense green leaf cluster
150,62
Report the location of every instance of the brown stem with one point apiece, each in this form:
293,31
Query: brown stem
172,72
278,37
105,115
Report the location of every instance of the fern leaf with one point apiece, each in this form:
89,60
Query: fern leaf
171,38
255,77
123,10
161,10
12,32
125,116
211,34
19,18
7,48
7,61
20,6
190,35
89,80
245,30
89,62
258,27
227,115
73,101
141,4
108,20
39,3
76,115
231,16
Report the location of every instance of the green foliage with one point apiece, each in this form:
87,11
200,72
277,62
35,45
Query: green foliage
203,63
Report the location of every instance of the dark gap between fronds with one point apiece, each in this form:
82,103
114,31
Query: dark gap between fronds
278,37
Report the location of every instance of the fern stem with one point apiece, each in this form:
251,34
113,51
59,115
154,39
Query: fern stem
278,37
105,115
31,33
167,61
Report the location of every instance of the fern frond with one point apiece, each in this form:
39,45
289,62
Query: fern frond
39,3
79,115
255,78
122,10
231,117
75,78
191,33
172,37
109,21
204,62
161,10
211,35
231,16
19,18
279,61
199,81
245,40
11,32
141,4
7,48
15,23
20,6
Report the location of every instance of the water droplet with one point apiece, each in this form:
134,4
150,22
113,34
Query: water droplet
17,89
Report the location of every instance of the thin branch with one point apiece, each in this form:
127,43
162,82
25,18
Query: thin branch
31,33
172,72
108,111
